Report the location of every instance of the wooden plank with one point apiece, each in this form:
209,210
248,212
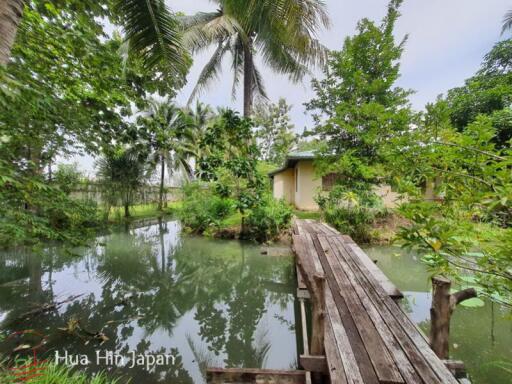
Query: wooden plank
334,363
390,289
406,369
348,323
312,253
426,363
250,375
383,363
313,363
351,366
300,280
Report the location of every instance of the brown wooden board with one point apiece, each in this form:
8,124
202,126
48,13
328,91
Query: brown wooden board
383,364
401,359
334,362
381,278
425,362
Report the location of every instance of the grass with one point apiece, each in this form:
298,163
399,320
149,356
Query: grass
313,215
58,374
142,211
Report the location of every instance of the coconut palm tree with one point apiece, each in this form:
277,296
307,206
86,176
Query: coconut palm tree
282,31
150,29
171,138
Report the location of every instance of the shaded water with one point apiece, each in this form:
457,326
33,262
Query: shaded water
481,337
153,291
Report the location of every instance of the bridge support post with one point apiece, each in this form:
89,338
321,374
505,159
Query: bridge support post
443,304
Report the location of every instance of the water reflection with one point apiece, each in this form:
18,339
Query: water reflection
481,337
152,291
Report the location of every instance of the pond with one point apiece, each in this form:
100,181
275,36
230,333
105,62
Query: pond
481,337
152,291
157,292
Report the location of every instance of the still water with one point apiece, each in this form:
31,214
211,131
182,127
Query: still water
481,337
153,291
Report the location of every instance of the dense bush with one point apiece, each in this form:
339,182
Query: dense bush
352,212
268,219
202,208
67,177
32,211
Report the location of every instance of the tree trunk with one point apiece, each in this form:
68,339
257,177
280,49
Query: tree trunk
443,304
126,210
248,77
162,178
11,12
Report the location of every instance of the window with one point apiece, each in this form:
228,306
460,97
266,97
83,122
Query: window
328,181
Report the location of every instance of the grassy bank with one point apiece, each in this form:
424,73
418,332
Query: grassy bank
52,373
141,211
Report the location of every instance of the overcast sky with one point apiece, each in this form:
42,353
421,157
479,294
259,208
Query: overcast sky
447,41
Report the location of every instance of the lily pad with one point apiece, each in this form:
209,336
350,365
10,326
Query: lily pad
475,302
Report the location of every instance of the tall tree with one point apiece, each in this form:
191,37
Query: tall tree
151,29
282,31
171,140
358,106
11,12
274,131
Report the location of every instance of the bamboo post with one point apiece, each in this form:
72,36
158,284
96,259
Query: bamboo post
443,304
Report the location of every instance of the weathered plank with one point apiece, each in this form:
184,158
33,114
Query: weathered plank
406,369
313,363
383,364
351,366
426,363
380,277
334,362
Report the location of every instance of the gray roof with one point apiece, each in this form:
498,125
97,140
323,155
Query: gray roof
292,159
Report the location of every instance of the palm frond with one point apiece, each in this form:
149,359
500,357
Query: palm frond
210,71
237,64
507,22
259,87
153,33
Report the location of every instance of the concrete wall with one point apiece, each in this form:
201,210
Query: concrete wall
389,198
307,187
284,186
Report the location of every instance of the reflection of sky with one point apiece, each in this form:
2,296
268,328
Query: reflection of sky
418,307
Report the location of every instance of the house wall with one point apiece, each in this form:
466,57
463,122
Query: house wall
284,185
307,187
389,198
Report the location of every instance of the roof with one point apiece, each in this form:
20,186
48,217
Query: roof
292,159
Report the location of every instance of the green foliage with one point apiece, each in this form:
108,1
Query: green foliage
202,209
53,373
32,211
230,160
471,178
274,131
67,177
269,219
283,31
488,92
352,211
122,172
358,110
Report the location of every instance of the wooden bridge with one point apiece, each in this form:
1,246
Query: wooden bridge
360,335
367,338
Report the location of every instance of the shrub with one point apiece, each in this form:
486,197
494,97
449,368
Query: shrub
202,209
67,177
268,220
352,212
